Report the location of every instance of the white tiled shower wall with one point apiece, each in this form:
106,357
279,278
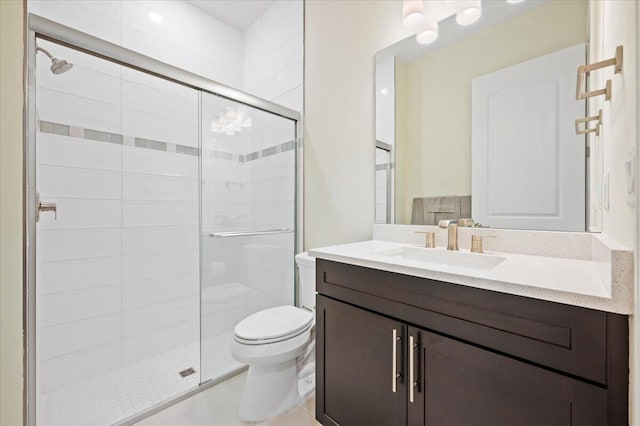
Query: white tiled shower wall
265,60
241,275
273,54
118,271
186,37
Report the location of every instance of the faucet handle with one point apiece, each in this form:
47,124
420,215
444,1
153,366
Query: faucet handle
445,223
476,242
429,238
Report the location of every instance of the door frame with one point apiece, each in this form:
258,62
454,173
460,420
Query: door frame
39,27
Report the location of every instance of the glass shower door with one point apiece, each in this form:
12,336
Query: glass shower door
117,283
248,235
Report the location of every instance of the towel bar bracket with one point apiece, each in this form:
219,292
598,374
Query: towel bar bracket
584,70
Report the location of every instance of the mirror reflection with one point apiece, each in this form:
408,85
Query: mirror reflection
479,123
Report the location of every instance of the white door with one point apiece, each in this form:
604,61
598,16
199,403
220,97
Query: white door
528,164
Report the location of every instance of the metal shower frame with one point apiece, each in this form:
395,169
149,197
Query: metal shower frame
39,27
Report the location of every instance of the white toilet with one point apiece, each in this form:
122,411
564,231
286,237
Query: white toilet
278,346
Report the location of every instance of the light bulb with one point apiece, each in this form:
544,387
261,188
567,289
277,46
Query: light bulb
428,35
154,17
469,12
412,13
231,114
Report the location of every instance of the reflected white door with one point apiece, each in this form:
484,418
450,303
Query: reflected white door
528,165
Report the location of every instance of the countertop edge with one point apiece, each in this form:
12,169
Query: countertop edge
612,305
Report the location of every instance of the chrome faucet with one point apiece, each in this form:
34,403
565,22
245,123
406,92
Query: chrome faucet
452,228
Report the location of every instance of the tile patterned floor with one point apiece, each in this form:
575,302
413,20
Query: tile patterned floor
112,397
218,406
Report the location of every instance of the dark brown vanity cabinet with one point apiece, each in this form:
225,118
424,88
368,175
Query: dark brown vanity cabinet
362,376
459,384
399,350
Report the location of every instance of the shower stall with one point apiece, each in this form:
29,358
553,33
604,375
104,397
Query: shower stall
161,210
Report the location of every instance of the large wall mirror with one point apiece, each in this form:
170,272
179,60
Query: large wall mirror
480,123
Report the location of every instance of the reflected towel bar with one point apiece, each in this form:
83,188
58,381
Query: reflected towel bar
585,69
586,120
249,233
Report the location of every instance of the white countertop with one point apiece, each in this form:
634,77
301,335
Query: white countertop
575,282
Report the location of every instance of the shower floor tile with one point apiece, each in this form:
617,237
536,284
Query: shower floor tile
112,397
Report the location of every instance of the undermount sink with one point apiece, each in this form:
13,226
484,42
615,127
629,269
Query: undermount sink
444,257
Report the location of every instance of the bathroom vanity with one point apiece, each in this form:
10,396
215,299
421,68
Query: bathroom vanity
398,347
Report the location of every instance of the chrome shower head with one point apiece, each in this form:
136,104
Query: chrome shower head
58,66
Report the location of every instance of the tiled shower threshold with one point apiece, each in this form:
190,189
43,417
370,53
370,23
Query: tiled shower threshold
124,393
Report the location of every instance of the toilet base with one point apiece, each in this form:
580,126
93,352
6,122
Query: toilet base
270,390
307,380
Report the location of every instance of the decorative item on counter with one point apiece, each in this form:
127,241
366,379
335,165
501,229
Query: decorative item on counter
465,222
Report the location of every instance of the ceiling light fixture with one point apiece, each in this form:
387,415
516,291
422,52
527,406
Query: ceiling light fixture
514,1
412,13
469,12
428,34
230,122
433,11
154,17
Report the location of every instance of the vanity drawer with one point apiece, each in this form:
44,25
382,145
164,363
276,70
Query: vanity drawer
566,338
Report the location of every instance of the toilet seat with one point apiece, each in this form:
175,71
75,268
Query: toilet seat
273,325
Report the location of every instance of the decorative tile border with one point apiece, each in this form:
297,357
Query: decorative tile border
99,136
383,166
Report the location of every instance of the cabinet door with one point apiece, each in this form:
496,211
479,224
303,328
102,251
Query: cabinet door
458,384
360,366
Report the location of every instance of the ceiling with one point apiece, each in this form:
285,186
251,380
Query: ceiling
239,13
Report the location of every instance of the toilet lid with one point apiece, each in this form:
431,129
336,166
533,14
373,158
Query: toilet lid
273,323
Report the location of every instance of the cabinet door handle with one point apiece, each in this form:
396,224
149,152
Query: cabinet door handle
394,361
411,379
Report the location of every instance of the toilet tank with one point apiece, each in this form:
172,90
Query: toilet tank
307,285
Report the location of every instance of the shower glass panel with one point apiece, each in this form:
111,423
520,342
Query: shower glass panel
117,284
248,220
384,184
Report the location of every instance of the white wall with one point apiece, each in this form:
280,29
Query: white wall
11,104
620,117
341,39
619,135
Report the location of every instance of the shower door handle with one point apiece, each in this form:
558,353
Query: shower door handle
44,206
